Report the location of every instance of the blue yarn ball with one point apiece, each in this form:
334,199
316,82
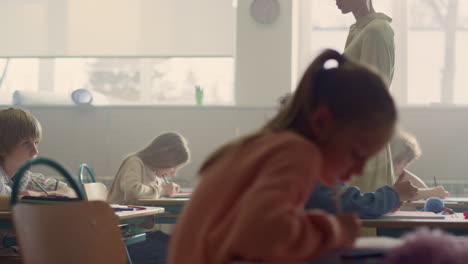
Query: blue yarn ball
434,204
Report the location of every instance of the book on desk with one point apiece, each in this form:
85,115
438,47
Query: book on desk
412,215
182,195
47,199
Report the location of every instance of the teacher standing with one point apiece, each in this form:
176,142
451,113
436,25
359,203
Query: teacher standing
371,42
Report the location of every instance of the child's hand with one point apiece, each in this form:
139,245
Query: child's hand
171,188
440,192
351,226
406,190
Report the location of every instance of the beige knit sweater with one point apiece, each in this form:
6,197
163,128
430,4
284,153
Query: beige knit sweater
135,181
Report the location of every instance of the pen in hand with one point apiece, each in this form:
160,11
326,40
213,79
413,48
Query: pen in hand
165,180
40,186
337,197
435,181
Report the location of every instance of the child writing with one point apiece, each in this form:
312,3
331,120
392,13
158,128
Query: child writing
19,138
405,150
142,175
249,203
367,205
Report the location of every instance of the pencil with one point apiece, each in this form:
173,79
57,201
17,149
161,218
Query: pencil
338,207
40,186
165,180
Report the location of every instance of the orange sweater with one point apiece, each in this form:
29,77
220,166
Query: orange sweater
250,205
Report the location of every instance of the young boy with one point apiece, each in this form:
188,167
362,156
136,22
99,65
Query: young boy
20,134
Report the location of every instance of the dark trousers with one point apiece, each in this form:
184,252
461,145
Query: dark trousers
151,251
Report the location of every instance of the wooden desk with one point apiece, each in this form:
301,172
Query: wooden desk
149,212
6,216
125,217
173,207
458,204
455,224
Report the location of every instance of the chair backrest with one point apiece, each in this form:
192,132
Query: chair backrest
83,170
70,232
96,191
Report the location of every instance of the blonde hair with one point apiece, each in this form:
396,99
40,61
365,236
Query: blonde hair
404,147
168,150
16,125
352,93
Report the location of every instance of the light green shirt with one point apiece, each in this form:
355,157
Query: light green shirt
370,41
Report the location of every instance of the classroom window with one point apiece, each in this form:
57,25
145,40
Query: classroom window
430,39
117,81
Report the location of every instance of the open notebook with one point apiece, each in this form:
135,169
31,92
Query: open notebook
412,215
184,193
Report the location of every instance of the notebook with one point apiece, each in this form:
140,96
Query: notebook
412,215
47,199
182,195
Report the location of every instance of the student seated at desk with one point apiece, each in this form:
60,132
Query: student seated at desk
366,205
19,139
249,204
405,150
142,175
20,133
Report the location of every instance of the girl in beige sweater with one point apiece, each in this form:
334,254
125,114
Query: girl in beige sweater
141,174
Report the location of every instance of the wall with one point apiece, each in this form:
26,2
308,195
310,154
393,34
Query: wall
441,132
263,56
102,137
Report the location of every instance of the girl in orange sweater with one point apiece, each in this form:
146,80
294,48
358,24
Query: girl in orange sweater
249,203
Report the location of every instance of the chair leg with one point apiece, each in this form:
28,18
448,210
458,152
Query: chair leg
129,260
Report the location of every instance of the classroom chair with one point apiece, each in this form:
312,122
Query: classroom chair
96,191
68,232
82,172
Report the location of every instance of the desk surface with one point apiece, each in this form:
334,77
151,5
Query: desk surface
456,221
450,202
164,201
124,215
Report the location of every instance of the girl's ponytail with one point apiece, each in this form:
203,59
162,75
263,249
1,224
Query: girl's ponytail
292,113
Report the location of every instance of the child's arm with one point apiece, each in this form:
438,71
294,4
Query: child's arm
415,180
370,205
285,231
367,205
131,175
5,189
425,193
